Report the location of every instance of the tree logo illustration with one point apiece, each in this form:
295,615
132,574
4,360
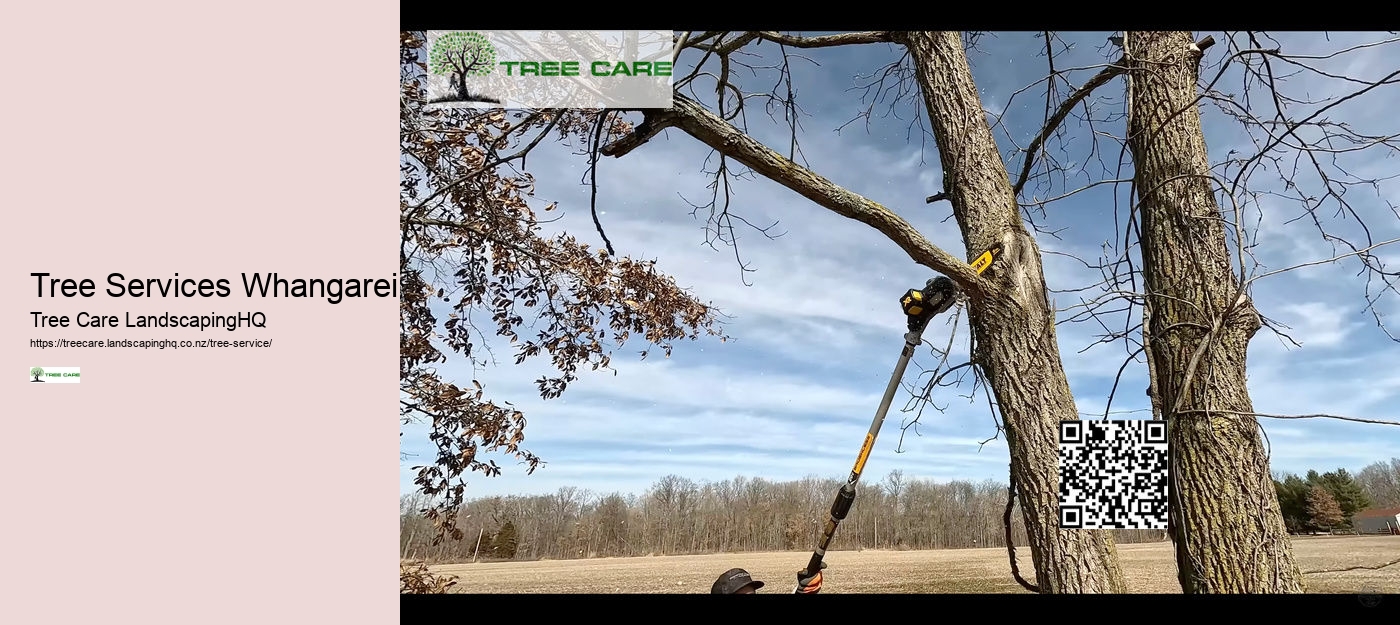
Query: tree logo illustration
36,372
458,55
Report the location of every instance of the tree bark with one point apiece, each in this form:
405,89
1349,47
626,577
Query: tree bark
1228,530
1014,326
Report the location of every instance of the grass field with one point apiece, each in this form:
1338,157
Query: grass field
1149,568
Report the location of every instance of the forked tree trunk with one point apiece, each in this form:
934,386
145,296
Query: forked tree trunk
1225,518
1014,326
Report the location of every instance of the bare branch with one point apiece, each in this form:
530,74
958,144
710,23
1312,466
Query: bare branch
598,128
1108,73
1388,79
1323,262
926,398
1355,568
1010,544
1370,44
1303,416
708,128
643,132
827,41
1114,391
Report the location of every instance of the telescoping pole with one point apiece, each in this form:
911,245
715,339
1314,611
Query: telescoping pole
920,306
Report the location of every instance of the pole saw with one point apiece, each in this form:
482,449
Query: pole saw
920,306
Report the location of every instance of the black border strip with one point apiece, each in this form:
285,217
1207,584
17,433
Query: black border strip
423,15
422,608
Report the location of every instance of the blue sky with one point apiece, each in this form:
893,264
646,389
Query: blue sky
817,333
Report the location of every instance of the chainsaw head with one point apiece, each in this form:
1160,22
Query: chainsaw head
937,296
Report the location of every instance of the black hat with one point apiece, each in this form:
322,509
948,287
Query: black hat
733,581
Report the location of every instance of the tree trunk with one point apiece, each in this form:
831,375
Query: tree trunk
1225,518
1014,325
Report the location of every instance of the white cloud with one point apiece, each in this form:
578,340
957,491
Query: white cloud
598,437
665,383
1318,324
1339,385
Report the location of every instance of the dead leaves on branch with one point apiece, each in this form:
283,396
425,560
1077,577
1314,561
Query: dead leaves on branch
416,579
583,303
472,241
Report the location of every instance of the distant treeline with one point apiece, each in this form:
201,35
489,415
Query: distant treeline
1324,502
679,516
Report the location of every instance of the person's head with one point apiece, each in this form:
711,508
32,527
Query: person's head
735,582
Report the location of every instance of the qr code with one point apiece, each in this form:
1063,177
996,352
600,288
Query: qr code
1113,474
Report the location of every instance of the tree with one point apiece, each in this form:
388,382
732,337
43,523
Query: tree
1348,494
505,542
1323,511
612,522
1292,498
1381,481
36,372
797,531
471,242
1013,323
1351,495
1198,323
1197,313
773,516
459,55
